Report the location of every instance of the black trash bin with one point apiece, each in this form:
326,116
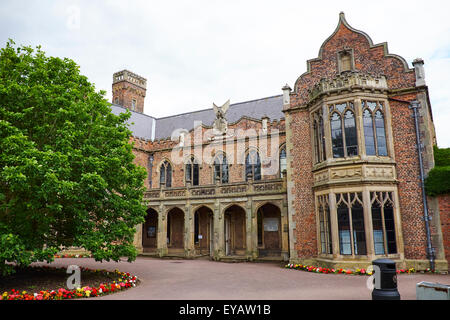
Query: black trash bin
386,286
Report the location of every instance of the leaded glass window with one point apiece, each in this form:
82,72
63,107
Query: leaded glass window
374,128
192,172
221,168
283,162
344,138
253,165
350,214
319,137
383,223
165,174
324,224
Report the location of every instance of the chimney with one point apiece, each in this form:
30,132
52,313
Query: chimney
128,90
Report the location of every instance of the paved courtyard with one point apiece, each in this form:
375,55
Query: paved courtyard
166,279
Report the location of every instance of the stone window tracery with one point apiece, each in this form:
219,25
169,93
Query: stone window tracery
165,174
350,216
319,137
221,168
343,130
374,128
192,172
324,225
384,236
283,161
253,165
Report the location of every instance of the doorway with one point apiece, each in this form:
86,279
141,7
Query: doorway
269,230
235,231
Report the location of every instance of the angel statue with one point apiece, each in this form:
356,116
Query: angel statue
220,125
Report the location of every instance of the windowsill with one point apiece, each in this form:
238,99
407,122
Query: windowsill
335,162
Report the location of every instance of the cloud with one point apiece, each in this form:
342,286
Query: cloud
197,53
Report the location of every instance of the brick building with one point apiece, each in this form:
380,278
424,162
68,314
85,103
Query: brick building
325,173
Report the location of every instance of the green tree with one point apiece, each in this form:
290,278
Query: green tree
67,176
438,180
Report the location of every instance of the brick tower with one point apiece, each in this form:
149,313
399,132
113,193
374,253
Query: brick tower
128,90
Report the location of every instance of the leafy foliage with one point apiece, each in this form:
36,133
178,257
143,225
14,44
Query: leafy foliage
441,156
438,180
67,176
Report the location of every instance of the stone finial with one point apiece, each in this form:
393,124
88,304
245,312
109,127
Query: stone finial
420,72
286,94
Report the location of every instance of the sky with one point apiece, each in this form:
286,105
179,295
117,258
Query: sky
196,53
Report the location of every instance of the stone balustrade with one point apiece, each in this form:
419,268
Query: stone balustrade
238,189
348,80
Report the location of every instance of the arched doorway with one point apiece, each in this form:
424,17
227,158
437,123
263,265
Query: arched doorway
203,231
269,230
175,231
235,231
150,231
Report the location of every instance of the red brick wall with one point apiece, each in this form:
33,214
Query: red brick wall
371,59
444,210
162,149
302,177
367,59
409,189
127,91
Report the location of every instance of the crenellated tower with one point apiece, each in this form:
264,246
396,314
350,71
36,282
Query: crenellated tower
129,90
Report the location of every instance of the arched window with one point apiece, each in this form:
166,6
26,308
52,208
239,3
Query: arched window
343,130
192,172
325,225
165,174
221,168
253,165
383,223
350,216
283,162
319,137
374,129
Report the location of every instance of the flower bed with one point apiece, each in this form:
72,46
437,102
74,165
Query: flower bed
73,256
362,272
124,281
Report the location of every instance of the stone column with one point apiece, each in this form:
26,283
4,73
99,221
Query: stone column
360,128
219,229
162,231
284,231
368,226
334,225
138,238
189,246
249,252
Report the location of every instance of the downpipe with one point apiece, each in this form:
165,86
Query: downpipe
430,250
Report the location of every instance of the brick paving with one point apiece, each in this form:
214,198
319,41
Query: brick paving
169,279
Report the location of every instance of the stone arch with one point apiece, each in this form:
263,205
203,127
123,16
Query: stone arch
150,231
203,230
232,204
269,231
234,219
175,229
271,202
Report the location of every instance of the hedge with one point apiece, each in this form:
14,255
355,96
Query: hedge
438,180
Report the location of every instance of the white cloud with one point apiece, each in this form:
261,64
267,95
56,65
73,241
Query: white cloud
194,53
